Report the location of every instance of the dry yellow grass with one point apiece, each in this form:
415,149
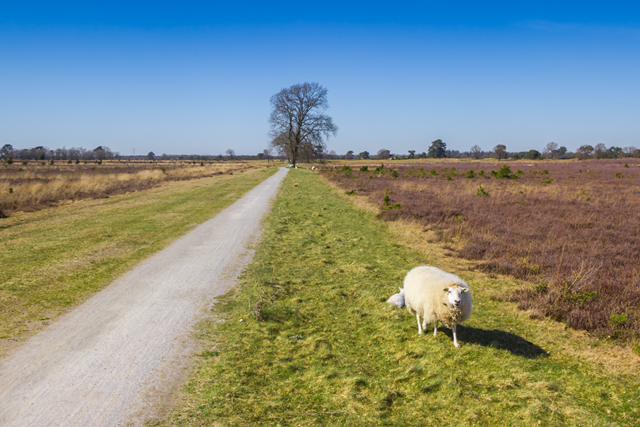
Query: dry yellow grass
39,184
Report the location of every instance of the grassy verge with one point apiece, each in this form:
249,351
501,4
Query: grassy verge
55,258
318,345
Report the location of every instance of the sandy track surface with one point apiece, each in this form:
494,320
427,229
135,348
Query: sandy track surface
93,366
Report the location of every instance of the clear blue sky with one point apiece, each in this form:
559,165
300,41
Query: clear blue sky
196,77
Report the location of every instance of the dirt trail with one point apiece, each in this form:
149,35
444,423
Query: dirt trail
93,366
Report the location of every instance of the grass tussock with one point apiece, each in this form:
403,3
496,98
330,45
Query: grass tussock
54,258
308,339
32,184
571,228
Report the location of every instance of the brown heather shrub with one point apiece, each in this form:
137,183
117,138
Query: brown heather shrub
570,228
34,185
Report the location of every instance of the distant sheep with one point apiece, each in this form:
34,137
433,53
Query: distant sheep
437,296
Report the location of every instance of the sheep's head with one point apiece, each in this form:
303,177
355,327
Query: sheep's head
455,294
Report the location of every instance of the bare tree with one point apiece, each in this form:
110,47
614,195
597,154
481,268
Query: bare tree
476,152
267,154
629,151
551,150
298,119
230,153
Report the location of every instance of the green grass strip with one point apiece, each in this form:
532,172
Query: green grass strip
55,258
318,345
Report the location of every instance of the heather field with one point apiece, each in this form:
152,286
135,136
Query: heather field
26,185
570,229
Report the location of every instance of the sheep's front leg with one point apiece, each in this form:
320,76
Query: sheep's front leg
455,337
419,326
435,328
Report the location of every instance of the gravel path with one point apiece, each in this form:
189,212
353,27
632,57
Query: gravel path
96,364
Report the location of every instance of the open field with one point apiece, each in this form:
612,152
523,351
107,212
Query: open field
54,258
318,345
36,184
570,228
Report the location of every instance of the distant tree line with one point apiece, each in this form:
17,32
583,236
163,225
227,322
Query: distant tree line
41,153
44,153
309,153
438,150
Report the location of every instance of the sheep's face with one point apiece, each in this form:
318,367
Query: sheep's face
455,295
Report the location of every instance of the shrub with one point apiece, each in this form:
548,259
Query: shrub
10,190
471,174
547,181
386,200
350,192
504,173
9,160
394,173
482,192
364,168
617,320
395,206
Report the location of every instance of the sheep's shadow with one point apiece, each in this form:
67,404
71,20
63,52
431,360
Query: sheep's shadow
498,339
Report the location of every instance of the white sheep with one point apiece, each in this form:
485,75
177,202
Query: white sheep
437,296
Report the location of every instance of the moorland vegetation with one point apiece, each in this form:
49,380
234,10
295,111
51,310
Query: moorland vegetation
568,228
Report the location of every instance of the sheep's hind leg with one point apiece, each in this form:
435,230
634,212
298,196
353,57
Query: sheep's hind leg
419,326
455,337
435,328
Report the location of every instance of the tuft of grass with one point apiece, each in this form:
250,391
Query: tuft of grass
308,339
55,258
